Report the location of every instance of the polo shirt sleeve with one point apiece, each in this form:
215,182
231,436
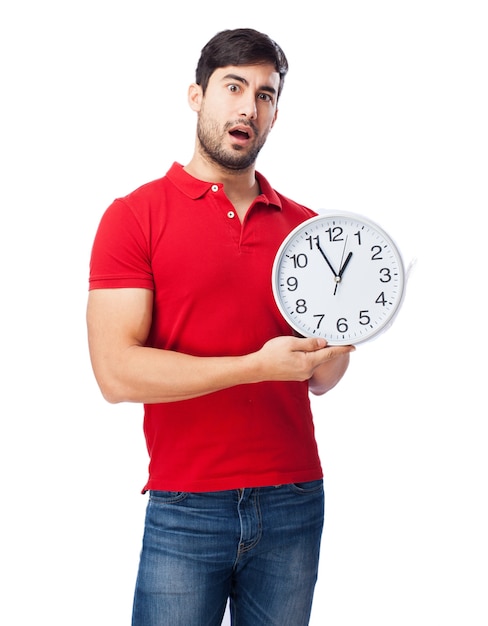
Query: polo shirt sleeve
120,255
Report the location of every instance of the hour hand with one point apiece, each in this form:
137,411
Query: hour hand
341,271
348,258
327,261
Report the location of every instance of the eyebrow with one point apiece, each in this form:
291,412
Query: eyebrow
242,80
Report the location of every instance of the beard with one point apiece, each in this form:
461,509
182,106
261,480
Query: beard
237,157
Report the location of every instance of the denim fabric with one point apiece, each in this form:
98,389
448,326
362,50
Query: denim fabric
258,547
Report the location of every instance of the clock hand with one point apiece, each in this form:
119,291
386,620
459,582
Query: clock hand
341,271
327,260
342,257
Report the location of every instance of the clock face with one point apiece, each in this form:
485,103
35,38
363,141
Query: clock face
340,277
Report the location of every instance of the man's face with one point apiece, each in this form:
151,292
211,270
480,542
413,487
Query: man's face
236,114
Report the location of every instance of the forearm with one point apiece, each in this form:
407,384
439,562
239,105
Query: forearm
328,374
134,373
150,375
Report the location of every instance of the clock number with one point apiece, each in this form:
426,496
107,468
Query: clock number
386,276
312,239
321,317
381,299
299,260
376,250
301,306
341,325
358,235
335,234
292,283
364,319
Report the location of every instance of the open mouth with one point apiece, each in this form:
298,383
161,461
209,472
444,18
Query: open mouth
240,133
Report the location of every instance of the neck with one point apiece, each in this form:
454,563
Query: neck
240,186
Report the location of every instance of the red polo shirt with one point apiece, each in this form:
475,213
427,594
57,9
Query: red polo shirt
211,277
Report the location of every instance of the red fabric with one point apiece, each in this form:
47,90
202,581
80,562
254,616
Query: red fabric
211,278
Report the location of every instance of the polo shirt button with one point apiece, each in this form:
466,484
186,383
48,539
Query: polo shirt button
231,214
215,187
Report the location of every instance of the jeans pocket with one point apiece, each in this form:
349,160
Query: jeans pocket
311,486
167,497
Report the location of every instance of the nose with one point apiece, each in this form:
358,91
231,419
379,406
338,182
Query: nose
248,108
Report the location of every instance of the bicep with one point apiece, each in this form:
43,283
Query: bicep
117,319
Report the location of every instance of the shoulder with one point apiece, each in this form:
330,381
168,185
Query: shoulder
146,193
285,203
141,202
296,207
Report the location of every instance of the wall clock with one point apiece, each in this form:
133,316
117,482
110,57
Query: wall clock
339,276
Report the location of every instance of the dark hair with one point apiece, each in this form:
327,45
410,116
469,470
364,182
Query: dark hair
242,46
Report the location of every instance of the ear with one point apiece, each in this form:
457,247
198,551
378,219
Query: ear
195,96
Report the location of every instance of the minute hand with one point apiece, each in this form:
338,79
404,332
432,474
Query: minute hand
327,260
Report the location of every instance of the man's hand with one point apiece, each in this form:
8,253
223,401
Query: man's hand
298,359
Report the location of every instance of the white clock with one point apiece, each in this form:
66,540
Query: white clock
338,276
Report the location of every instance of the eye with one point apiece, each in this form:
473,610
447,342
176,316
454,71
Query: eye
233,88
265,97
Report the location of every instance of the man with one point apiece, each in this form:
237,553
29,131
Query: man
181,318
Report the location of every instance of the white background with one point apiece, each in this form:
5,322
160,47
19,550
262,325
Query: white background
384,112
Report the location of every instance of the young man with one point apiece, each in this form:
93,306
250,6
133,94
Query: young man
181,318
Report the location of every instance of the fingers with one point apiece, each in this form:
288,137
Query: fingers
310,344
314,344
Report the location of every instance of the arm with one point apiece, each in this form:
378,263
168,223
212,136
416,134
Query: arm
127,371
328,374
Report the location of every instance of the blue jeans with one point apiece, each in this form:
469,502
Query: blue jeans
258,547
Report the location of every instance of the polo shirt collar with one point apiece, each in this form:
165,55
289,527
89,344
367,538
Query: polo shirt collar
195,188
